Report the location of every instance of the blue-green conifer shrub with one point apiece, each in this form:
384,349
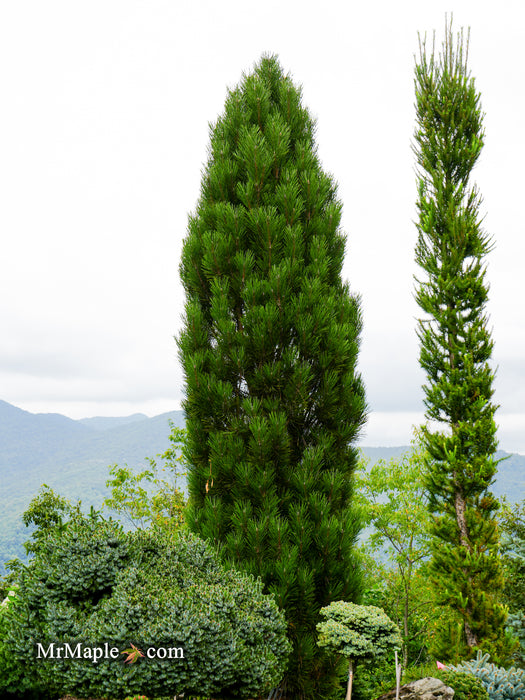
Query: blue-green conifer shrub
500,683
92,584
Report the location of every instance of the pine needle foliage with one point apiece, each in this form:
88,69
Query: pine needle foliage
455,343
269,349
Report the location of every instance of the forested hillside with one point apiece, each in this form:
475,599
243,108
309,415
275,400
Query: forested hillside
73,457
70,456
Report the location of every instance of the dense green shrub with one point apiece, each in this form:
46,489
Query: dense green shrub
466,686
14,682
500,683
91,583
374,678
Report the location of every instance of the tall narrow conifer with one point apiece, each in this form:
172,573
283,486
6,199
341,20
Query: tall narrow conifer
269,348
456,345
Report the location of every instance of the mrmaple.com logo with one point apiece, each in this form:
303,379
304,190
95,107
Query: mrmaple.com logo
97,653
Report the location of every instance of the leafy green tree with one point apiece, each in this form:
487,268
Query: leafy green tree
47,511
153,496
512,523
269,349
394,504
456,345
358,632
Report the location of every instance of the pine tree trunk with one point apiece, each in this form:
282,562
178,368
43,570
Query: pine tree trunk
470,636
460,507
464,539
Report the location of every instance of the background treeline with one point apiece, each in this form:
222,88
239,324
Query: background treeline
73,457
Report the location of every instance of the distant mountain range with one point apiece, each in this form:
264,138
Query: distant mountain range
70,456
73,456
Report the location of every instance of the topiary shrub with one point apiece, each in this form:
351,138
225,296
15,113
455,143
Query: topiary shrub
358,632
500,683
91,584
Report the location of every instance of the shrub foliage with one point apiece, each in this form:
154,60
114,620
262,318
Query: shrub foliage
465,685
91,583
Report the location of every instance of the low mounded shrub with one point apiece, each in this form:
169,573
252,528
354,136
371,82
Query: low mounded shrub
93,584
465,685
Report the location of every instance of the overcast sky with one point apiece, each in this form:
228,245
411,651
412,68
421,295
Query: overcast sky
103,136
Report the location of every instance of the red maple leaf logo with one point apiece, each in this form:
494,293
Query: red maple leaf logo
134,654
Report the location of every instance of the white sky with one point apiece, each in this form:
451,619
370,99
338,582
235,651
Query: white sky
103,135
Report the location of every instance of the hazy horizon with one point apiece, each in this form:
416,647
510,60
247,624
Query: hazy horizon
362,442
104,132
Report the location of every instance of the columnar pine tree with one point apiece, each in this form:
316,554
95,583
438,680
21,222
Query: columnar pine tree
269,349
456,345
